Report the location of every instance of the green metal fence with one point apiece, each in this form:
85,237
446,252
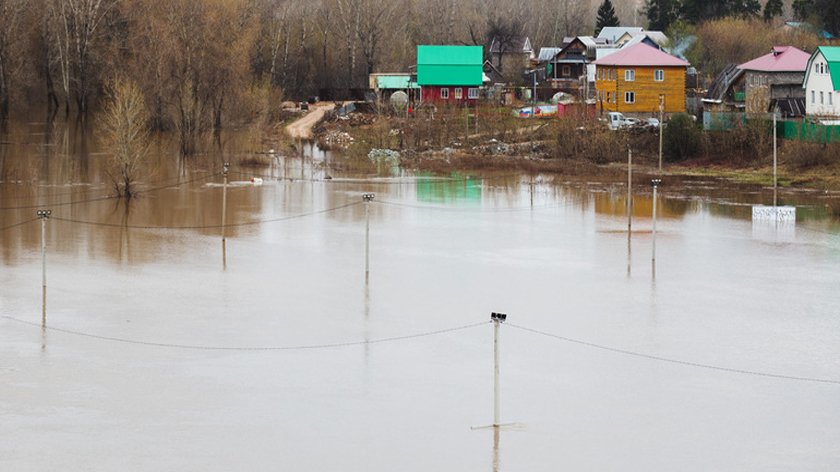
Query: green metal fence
811,132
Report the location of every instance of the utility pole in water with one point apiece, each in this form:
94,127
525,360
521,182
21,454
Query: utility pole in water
655,183
368,197
498,319
44,214
629,188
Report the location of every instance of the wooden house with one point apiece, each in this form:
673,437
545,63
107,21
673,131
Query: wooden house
568,66
822,83
511,55
775,78
727,91
636,78
449,74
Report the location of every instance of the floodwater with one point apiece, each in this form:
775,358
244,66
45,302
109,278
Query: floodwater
156,347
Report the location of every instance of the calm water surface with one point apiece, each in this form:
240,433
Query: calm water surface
158,349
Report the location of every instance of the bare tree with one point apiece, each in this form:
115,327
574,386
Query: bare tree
11,47
82,22
123,130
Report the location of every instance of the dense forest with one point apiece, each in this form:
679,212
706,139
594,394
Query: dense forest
200,63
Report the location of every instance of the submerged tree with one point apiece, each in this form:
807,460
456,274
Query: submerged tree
123,129
606,16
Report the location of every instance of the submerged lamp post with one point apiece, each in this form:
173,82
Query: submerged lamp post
224,198
655,183
368,197
44,214
498,319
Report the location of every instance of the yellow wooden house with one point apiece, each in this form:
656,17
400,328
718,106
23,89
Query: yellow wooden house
637,78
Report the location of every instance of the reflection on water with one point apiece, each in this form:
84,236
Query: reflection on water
153,342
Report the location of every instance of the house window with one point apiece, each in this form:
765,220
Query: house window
472,93
659,75
444,93
813,97
829,99
567,71
601,95
629,97
822,99
629,75
459,93
608,97
612,74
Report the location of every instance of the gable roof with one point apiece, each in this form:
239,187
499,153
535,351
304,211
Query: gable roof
520,44
641,55
612,33
547,54
718,88
449,65
780,59
832,58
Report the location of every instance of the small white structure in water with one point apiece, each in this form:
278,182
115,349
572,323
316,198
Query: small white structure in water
782,214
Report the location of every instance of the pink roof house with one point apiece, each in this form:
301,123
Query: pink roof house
638,78
775,79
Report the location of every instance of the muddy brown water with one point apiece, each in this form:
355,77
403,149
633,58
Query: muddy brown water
156,348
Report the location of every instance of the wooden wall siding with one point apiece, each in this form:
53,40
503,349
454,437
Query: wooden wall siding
647,90
431,94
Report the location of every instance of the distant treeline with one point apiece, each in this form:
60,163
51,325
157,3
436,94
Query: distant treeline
201,63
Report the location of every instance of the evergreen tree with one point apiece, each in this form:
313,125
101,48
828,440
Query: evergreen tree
606,16
661,13
822,14
772,9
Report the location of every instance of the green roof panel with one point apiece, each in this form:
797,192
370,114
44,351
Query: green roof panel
394,82
449,65
832,56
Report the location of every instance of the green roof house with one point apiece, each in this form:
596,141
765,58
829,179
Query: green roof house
822,83
449,73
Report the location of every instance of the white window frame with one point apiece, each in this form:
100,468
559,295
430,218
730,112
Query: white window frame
472,93
629,97
459,93
659,75
630,75
444,93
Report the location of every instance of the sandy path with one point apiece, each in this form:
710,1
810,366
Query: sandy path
302,128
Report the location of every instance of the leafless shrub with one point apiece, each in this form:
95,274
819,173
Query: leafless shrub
123,130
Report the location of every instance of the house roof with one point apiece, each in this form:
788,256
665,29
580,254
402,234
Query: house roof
519,44
449,65
780,59
612,33
832,58
547,54
641,55
722,83
394,81
633,37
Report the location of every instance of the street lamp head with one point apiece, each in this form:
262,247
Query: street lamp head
44,213
656,182
500,317
368,197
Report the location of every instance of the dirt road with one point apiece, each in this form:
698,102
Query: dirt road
302,128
